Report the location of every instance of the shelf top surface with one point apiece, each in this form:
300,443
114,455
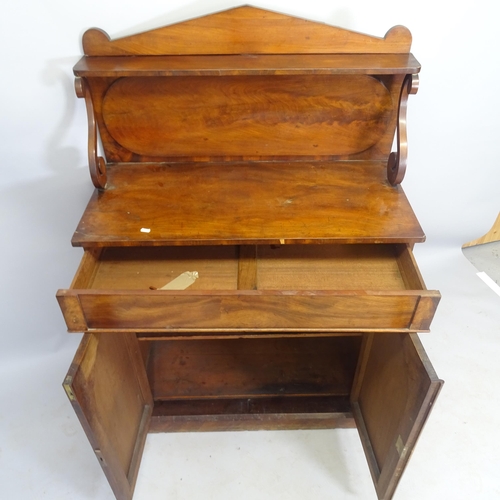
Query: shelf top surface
247,203
246,64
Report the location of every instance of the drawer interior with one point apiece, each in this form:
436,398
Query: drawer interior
285,267
249,289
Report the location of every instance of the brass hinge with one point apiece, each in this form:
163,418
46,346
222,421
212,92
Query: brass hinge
402,449
67,387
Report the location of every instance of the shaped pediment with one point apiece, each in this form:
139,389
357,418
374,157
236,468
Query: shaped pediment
246,30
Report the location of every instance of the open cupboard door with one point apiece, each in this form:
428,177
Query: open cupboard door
108,388
393,393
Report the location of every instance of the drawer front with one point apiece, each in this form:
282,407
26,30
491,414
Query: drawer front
247,310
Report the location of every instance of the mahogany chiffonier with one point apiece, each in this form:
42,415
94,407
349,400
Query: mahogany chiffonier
248,247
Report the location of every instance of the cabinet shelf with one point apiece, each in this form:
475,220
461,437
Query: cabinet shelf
247,64
248,203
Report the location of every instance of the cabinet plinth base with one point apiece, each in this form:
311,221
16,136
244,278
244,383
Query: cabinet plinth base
275,413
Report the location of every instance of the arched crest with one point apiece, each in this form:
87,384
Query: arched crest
247,30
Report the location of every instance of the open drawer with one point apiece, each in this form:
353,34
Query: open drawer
320,288
122,387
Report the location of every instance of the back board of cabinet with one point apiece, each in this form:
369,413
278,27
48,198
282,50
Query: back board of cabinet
247,154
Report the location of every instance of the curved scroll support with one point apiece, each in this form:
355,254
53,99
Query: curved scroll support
97,165
396,165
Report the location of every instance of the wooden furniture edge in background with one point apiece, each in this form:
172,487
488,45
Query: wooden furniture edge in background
492,235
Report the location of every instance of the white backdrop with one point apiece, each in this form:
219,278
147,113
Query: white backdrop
453,177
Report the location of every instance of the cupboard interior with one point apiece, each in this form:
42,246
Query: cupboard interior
251,377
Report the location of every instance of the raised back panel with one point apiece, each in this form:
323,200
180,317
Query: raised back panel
333,115
247,30
272,99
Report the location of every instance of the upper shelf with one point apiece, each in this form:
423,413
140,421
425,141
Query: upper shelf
248,203
247,64
246,41
315,92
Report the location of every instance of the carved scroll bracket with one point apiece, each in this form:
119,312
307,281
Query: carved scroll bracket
97,164
396,165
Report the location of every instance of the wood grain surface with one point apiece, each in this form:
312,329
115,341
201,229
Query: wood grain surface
248,203
248,116
244,368
328,288
215,313
250,310
247,64
110,394
393,394
249,147
244,30
261,413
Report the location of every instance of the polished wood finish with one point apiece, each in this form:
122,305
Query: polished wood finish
110,394
294,108
329,311
396,165
304,92
248,203
97,165
248,65
327,288
253,150
246,30
258,116
392,397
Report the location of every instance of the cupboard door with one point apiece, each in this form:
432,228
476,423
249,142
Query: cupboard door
108,388
393,393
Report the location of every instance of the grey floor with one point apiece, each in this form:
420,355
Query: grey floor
44,453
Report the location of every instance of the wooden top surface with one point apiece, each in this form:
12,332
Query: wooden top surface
247,203
247,64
